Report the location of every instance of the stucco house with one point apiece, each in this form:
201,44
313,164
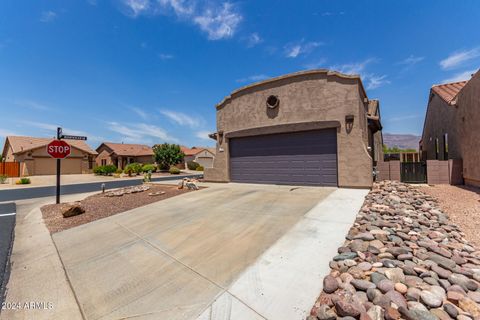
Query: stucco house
31,153
451,129
121,154
314,127
202,156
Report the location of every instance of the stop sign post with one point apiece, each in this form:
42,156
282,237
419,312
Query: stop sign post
59,149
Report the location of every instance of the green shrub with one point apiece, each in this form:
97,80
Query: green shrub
149,168
167,155
107,170
119,171
133,168
24,181
192,165
3,179
174,170
199,168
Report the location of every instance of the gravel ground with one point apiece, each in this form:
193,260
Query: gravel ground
462,204
99,206
403,259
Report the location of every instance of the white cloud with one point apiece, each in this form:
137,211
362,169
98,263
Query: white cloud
458,58
371,80
6,132
316,64
203,135
217,20
136,7
31,104
140,133
254,78
462,76
48,16
182,118
52,128
165,56
220,22
253,39
411,60
375,81
402,118
293,50
353,68
142,114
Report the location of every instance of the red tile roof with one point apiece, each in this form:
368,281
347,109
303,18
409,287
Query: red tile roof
194,150
448,91
126,149
21,144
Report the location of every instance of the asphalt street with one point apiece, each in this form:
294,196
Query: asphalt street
7,224
47,191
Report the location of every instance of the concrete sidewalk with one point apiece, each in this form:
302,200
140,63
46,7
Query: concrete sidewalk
37,275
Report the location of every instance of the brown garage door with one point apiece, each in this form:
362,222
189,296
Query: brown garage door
49,166
299,158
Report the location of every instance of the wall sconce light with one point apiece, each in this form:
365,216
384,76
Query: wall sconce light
349,122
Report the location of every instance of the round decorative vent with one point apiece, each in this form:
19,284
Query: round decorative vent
273,102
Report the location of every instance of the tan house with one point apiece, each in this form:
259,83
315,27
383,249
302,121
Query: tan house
32,155
451,129
314,127
202,156
121,154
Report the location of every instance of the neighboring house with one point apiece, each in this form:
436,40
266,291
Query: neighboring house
121,154
451,129
202,156
314,127
32,155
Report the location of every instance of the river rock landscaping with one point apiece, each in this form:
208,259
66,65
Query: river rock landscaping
403,259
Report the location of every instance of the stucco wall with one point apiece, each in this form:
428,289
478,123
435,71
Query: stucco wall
103,155
311,97
440,119
468,122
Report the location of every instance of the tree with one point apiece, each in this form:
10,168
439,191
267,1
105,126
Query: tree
167,155
396,149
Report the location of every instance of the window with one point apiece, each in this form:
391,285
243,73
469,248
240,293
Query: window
104,162
445,146
437,149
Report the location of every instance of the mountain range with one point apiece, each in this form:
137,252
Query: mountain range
402,141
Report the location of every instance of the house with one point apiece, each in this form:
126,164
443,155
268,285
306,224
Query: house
121,154
451,129
201,155
31,153
314,127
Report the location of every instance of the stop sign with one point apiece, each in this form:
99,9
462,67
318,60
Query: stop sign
58,149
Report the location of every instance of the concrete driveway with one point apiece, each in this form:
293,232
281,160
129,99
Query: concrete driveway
177,259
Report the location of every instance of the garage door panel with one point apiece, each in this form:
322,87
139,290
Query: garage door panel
290,158
48,166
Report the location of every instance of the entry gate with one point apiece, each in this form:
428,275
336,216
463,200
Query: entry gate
413,172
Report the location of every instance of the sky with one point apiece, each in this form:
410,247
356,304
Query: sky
152,71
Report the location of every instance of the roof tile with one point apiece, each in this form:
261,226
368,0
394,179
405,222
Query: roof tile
448,91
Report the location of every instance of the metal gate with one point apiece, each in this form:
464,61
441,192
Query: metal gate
413,172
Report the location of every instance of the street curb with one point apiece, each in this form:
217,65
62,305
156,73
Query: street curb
7,234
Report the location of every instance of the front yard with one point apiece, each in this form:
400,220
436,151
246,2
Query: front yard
104,205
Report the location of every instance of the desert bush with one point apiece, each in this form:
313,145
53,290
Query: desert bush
174,170
192,165
119,171
199,168
133,168
23,181
149,168
107,170
3,179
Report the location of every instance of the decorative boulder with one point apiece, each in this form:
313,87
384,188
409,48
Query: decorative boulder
72,209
